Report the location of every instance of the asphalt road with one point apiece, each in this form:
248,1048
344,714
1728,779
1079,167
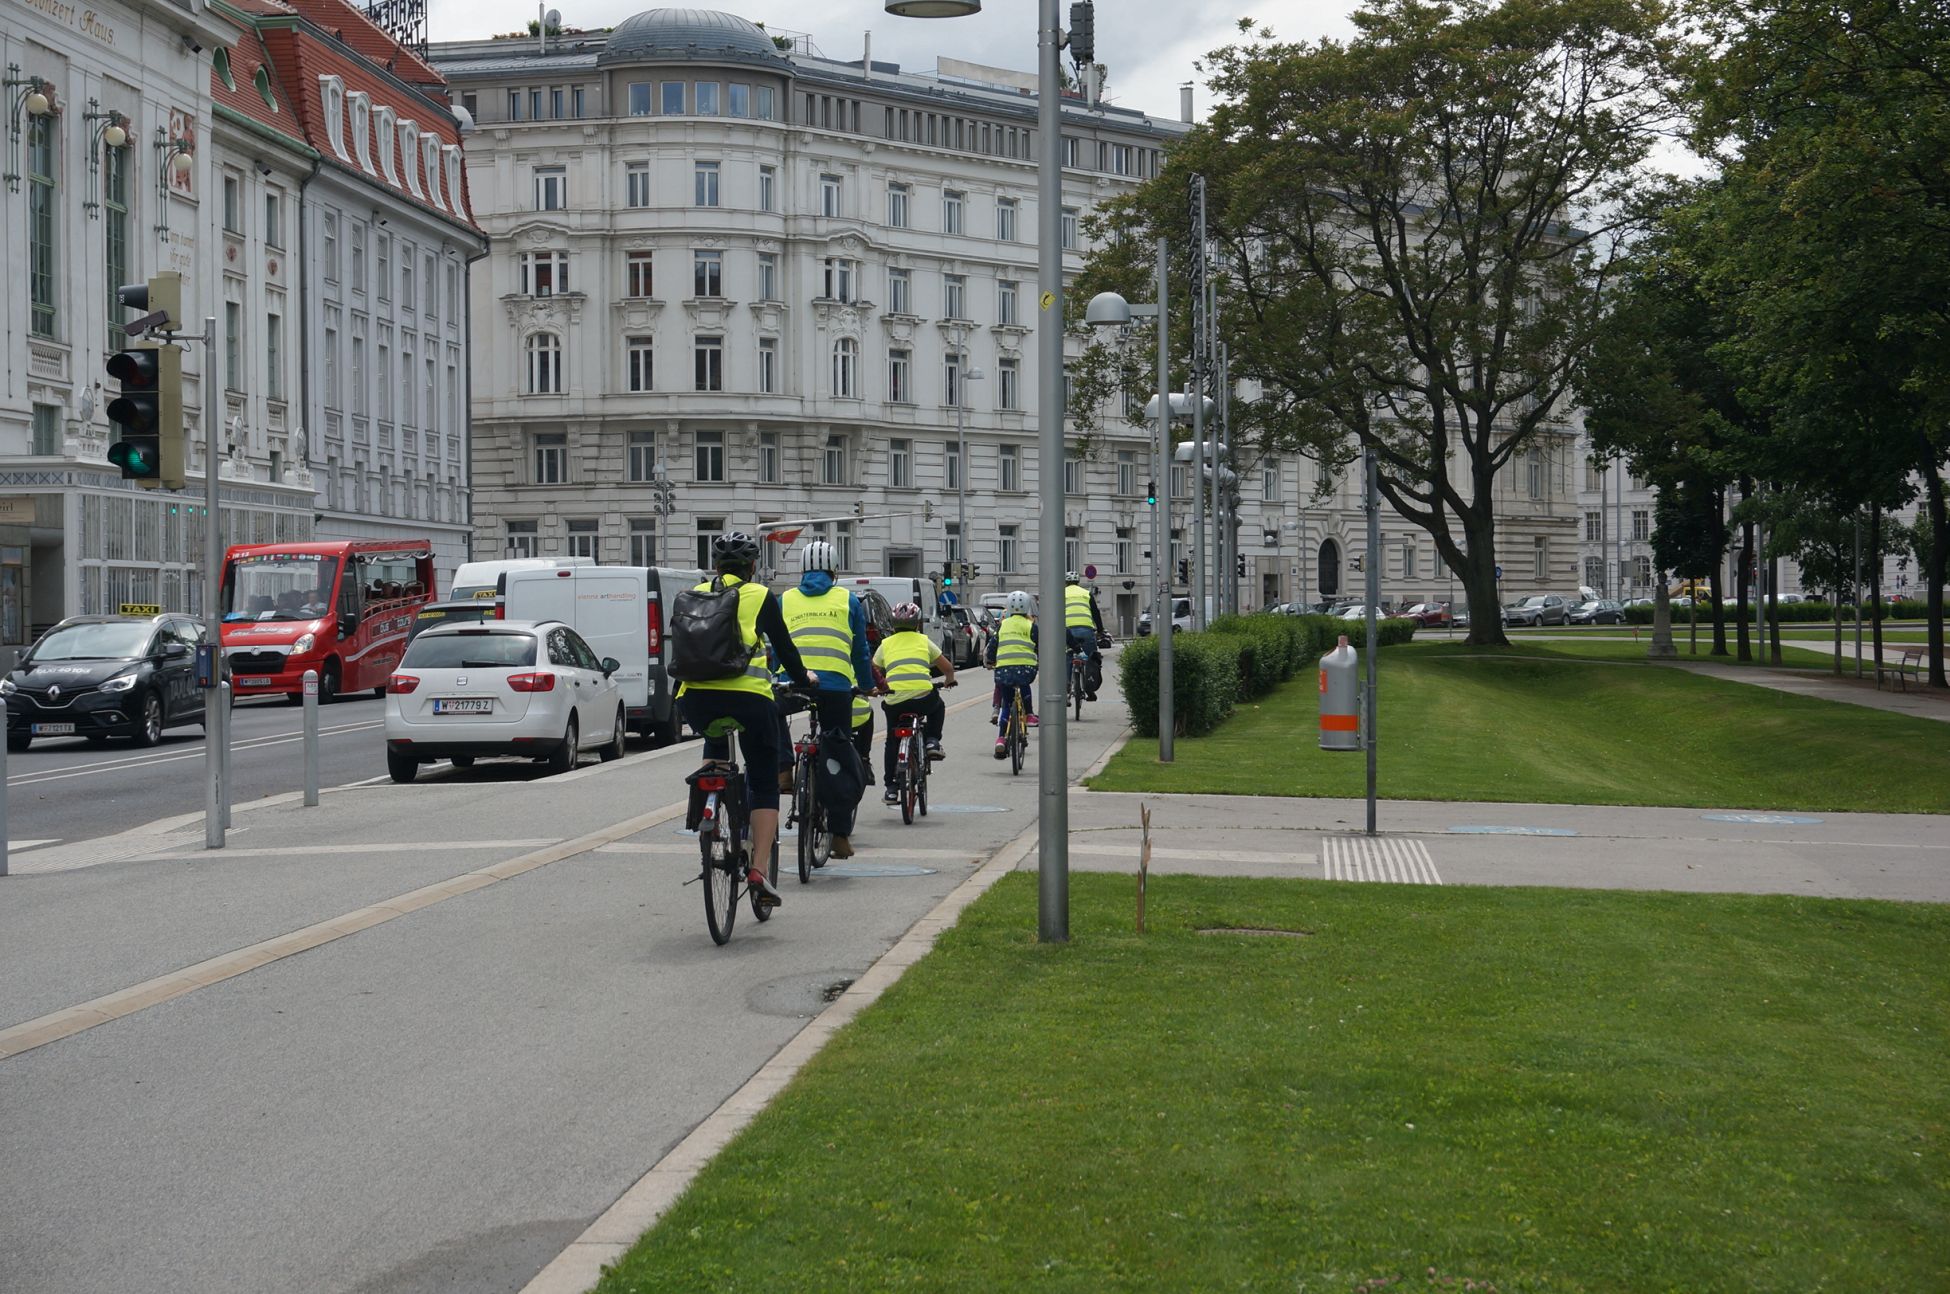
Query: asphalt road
441,1101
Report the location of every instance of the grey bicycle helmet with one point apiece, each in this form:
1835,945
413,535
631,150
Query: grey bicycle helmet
1071,577
734,549
1019,604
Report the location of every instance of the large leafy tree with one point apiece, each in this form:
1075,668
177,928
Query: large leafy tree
1831,238
1418,227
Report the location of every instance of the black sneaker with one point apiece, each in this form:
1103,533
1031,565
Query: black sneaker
935,751
891,797
767,896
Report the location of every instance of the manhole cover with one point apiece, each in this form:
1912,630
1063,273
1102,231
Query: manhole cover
1511,831
966,808
1763,819
875,869
801,996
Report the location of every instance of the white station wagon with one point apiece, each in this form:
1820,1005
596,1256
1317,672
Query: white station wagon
531,689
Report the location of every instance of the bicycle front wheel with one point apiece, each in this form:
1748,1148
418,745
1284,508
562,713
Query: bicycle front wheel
1076,691
720,879
908,778
1018,745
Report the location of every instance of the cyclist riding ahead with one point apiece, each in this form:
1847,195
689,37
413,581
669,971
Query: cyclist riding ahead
909,662
829,628
1013,657
746,697
1083,625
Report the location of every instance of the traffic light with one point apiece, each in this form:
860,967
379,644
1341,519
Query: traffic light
947,575
1357,563
974,573
1184,570
149,414
1240,566
161,295
1151,493
1083,32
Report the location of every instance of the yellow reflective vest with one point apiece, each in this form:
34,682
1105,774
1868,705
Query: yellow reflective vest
1014,644
906,659
1076,608
821,628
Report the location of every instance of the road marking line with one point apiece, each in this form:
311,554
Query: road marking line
689,848
1299,857
15,846
149,761
164,988
308,851
1378,858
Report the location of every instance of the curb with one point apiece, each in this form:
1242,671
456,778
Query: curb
579,1267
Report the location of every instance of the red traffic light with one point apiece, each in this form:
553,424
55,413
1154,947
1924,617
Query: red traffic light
135,369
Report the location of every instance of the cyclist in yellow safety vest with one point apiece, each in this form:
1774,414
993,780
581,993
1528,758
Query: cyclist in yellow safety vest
746,698
1012,655
1083,625
830,630
908,662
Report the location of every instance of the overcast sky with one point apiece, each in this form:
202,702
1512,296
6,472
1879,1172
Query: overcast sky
1148,45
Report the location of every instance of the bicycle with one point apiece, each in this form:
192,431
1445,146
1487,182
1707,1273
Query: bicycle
1017,735
724,839
1079,666
911,766
815,840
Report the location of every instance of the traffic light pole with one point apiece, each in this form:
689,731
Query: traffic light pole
1161,600
216,715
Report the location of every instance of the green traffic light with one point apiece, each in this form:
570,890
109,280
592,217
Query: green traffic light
138,462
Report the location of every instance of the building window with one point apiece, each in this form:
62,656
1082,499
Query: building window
738,100
1641,524
1072,548
551,458
544,364
1408,562
709,530
709,459
582,536
832,464
952,533
47,436
1008,545
639,98
768,365
274,222
1594,527
673,106
1008,384
406,278
1126,550
897,195
952,203
1127,470
768,457
840,274
384,267
900,388
767,104
578,101
643,541
707,98
1642,572
768,188
523,541
357,239
233,346
1181,481
1070,244
846,368
900,292
1269,481
705,184
639,349
954,296
551,188
1007,291
41,225
953,390
1534,474
233,204
274,356
951,465
707,274
708,363
543,274
1008,471
900,463
1594,477
768,276
829,195
1005,219
1540,551
1594,572
115,201
642,461
1072,479
636,184
638,279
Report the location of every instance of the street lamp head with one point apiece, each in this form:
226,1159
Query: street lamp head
934,8
1181,406
1107,310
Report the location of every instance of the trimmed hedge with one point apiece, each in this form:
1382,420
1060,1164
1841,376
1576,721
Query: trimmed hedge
1235,659
1791,613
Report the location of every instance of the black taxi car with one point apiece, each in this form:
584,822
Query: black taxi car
106,676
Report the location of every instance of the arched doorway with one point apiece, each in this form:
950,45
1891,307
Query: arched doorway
1330,569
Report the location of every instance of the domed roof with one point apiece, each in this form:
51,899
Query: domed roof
689,34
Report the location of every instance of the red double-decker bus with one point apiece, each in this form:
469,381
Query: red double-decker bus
342,609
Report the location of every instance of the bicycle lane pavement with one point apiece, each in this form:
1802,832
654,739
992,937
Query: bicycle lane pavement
444,1100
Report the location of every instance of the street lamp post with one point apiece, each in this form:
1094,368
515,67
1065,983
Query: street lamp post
1052,755
964,375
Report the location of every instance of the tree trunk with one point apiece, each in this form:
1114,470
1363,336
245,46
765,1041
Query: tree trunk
1935,569
1743,582
1717,587
1774,610
1836,599
1662,648
1479,585
1875,588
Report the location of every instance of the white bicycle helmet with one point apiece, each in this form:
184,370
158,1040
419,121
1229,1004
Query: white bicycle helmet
1071,577
1019,603
818,556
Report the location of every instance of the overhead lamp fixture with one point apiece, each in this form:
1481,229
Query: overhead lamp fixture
178,156
111,130
32,95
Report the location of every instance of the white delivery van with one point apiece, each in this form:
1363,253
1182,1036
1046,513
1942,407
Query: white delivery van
482,579
620,612
897,589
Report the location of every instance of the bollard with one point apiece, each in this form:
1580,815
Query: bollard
3,789
223,708
311,738
1340,699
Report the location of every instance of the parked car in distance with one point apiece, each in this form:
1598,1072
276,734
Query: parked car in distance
529,689
1430,615
961,638
1181,617
880,615
106,676
1537,609
470,612
1601,611
1357,612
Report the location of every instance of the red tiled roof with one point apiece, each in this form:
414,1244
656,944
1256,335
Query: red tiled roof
352,26
247,55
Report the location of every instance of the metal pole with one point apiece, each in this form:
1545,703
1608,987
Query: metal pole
1161,515
3,789
1225,541
1053,752
214,714
1618,531
1856,594
224,750
1373,565
1208,456
311,738
961,455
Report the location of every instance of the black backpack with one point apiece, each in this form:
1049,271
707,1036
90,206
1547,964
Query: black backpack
706,642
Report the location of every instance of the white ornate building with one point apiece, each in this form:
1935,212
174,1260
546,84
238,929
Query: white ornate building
768,276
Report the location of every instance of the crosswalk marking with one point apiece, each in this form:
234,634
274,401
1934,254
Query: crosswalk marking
1378,858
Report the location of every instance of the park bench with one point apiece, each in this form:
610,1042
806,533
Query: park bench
1908,666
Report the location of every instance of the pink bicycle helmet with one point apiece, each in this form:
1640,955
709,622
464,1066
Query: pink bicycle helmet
907,615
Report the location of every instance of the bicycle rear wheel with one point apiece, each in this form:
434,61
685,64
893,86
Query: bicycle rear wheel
1018,743
1076,689
921,791
720,882
805,812
908,778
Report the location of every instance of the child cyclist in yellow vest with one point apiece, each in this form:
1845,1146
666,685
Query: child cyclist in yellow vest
908,662
1013,656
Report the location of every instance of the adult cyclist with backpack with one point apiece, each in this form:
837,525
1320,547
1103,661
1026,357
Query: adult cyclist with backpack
1083,627
715,648
829,628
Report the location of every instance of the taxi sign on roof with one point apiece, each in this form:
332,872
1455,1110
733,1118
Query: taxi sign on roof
141,609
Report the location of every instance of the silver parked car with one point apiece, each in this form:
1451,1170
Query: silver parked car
1537,609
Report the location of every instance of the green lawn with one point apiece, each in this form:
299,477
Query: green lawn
1571,723
1626,649
1544,1090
